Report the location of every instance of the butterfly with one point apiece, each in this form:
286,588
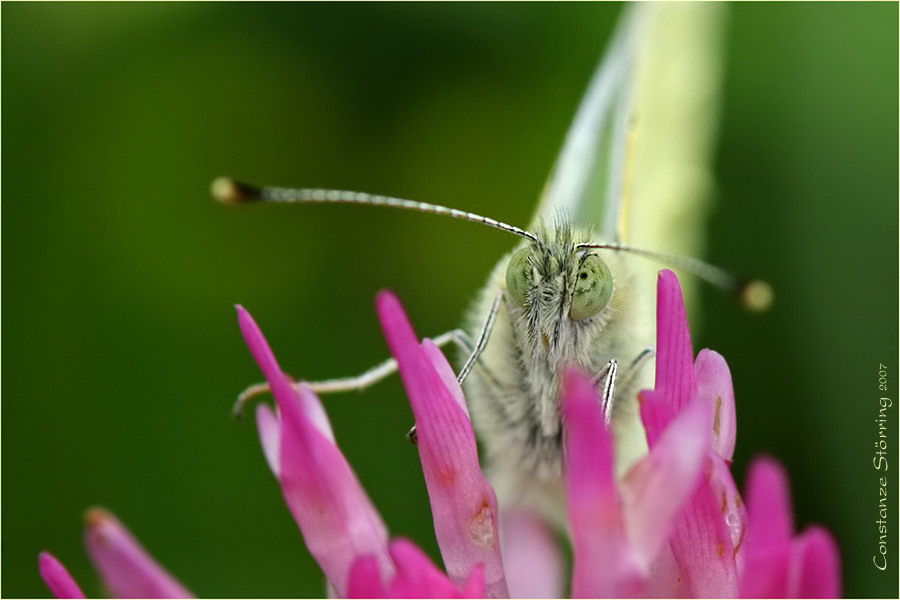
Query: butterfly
633,171
632,179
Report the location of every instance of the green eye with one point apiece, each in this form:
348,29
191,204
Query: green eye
593,288
518,276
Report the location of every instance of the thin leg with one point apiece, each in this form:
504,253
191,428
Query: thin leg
482,339
609,375
609,390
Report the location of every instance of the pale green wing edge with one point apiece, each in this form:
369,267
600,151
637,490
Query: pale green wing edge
635,164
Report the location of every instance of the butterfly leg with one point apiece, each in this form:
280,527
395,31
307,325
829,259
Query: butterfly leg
482,339
609,376
610,371
362,381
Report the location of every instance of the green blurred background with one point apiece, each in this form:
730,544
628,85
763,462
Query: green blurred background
122,352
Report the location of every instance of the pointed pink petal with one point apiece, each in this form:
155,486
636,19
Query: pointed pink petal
334,513
475,586
815,566
127,569
282,387
269,436
264,357
400,336
531,556
336,517
657,488
769,504
418,577
57,578
595,511
315,412
447,374
714,386
463,503
769,529
731,505
674,354
664,580
365,579
707,532
656,414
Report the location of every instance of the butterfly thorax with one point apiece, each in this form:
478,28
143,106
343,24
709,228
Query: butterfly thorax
546,337
514,390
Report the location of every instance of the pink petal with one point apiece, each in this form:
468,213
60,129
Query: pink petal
127,569
815,566
731,505
284,390
270,436
365,579
769,504
463,504
714,386
706,534
475,586
315,412
657,488
664,580
264,357
446,373
531,556
595,511
674,354
334,514
57,578
400,336
336,517
770,526
656,414
418,577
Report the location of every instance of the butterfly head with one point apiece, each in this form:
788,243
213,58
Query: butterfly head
556,284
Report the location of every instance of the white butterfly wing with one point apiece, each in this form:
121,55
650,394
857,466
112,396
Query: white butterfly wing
587,178
635,164
669,182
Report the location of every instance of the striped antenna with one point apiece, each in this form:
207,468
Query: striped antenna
229,191
754,294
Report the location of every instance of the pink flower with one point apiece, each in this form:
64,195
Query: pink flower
674,525
337,519
57,577
720,548
776,564
127,570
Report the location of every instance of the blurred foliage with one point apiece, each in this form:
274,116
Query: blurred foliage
122,349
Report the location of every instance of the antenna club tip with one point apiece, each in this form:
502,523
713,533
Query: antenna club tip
757,295
229,191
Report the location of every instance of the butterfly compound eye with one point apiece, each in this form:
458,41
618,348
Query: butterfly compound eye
518,276
593,288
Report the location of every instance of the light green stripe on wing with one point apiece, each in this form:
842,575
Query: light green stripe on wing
635,165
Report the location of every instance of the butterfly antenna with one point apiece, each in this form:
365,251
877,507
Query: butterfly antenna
754,294
229,191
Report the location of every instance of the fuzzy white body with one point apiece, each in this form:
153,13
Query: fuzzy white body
513,391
